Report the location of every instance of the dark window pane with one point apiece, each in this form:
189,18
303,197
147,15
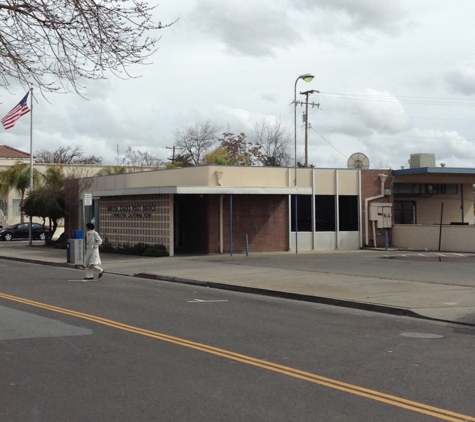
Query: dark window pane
325,213
404,212
348,213
304,213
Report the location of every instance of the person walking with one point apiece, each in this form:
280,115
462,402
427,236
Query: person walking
92,260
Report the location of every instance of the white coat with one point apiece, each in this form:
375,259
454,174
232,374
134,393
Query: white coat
93,240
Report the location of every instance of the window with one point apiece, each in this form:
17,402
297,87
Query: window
348,213
4,207
404,212
325,213
304,213
16,212
425,188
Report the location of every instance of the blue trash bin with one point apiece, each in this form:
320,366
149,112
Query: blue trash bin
78,234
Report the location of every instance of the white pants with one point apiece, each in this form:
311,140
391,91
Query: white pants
91,269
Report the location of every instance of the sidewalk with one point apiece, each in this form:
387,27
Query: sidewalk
431,299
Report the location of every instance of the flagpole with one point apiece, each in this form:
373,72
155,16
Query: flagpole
31,160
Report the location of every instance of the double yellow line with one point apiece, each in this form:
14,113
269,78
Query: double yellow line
285,370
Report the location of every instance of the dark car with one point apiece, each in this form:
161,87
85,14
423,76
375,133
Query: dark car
21,231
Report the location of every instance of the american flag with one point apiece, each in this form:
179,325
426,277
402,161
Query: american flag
19,110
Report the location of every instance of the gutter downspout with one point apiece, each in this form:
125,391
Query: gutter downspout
382,178
360,217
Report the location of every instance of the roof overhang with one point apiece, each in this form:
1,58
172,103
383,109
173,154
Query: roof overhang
435,175
202,190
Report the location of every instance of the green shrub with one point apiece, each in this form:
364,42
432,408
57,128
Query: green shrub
140,249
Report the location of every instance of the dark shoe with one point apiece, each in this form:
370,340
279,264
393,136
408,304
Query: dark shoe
86,279
100,274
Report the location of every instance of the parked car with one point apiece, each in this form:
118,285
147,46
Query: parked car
22,231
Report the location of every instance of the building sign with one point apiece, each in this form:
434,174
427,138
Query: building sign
136,212
87,199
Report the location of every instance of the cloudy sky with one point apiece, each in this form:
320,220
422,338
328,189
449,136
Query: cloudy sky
395,77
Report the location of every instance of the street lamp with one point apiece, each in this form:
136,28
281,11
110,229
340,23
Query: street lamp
307,77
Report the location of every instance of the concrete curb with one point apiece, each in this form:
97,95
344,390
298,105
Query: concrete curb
363,306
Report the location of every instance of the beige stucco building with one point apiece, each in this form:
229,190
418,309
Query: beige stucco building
226,209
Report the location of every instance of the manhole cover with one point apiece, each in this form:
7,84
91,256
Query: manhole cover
421,335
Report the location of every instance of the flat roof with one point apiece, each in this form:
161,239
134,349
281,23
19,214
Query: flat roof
435,170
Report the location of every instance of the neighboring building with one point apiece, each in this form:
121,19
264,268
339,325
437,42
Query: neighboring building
216,209
433,209
10,204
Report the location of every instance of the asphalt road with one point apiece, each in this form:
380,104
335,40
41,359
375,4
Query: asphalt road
126,349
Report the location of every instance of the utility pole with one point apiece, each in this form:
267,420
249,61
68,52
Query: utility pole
174,147
305,118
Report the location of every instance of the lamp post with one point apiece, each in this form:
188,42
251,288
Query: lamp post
307,77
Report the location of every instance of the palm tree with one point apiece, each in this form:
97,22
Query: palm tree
54,177
17,177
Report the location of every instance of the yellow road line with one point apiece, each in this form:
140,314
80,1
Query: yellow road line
285,370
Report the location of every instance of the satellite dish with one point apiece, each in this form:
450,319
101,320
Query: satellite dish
358,161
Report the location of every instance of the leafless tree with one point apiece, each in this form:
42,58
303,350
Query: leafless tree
55,44
137,160
275,141
66,155
197,140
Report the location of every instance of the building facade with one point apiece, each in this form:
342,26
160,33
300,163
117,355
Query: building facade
225,209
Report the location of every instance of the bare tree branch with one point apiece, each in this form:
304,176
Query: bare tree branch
197,140
275,141
55,44
66,155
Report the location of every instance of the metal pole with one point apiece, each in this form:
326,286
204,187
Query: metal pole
231,225
296,227
30,235
461,205
440,230
306,129
246,238
295,131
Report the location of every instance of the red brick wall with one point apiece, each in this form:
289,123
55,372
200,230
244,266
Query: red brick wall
264,218
371,186
71,195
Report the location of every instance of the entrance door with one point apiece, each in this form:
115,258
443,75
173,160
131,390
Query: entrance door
191,224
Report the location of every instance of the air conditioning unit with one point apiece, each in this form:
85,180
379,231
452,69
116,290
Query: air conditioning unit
422,160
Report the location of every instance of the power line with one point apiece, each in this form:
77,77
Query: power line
435,101
405,137
329,143
394,115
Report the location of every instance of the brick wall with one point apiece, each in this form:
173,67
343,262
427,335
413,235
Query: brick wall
71,216
264,218
371,186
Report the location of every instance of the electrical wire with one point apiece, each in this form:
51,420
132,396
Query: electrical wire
328,142
436,101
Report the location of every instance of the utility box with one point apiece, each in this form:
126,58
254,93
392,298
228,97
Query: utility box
75,248
382,214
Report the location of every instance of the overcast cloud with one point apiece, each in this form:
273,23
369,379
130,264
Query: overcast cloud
395,77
